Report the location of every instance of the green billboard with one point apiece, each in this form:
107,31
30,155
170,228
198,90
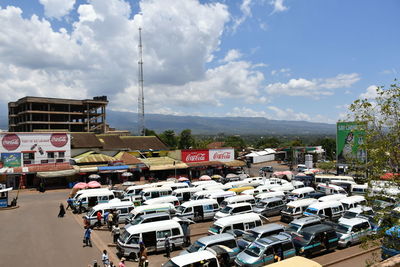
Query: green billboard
349,137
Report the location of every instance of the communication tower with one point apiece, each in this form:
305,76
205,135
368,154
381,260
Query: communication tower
141,94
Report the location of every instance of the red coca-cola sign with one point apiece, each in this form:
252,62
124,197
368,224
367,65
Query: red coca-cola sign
59,139
194,155
11,142
221,155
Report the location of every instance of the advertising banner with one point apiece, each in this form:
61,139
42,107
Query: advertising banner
223,155
197,155
348,139
11,159
36,148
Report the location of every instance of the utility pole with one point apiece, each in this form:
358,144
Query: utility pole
141,93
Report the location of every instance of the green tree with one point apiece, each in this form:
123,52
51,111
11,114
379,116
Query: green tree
326,166
148,132
169,138
271,142
186,139
235,142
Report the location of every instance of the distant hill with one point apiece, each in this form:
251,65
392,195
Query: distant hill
214,125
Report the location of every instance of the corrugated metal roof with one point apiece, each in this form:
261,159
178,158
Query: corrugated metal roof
94,158
164,163
143,143
127,158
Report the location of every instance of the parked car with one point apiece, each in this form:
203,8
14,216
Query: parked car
259,232
350,231
297,225
270,206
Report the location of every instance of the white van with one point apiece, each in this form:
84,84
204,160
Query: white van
241,222
359,189
153,192
254,179
295,209
328,178
162,183
199,258
284,188
330,210
334,197
198,210
300,193
330,189
184,194
176,186
158,200
84,191
122,207
148,209
233,209
217,186
353,201
270,195
243,183
238,199
92,198
198,183
135,190
204,194
297,184
151,234
255,191
220,196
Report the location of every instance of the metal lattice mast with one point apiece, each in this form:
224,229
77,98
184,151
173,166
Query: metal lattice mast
141,94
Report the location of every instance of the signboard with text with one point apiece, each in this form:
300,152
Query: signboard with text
223,155
201,155
349,137
11,159
195,155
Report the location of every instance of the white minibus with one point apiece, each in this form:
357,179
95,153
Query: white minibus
198,210
238,199
153,192
167,199
148,209
184,194
123,208
295,209
240,222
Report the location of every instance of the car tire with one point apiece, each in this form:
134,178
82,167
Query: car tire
132,256
348,244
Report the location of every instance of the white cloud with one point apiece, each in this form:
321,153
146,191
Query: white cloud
232,55
278,6
313,88
370,92
246,12
285,71
392,71
246,112
57,8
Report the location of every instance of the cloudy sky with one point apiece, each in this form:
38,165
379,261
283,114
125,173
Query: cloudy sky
280,59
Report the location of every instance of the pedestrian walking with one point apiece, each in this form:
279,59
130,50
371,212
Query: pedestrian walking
110,220
143,259
61,213
122,262
188,235
86,237
112,264
167,245
70,203
98,215
116,231
105,216
105,259
80,207
115,217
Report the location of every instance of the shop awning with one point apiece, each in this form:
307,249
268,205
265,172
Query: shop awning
164,163
168,167
54,174
235,163
127,158
87,158
205,164
113,168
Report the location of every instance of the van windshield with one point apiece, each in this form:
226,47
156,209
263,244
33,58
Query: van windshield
289,209
226,210
292,227
137,220
124,236
343,228
250,236
254,250
306,236
91,212
216,229
180,209
196,246
170,263
349,214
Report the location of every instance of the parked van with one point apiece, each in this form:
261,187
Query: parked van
299,224
167,199
359,189
330,189
299,193
346,185
242,184
239,190
122,207
360,211
238,199
152,217
84,191
198,183
225,239
193,259
184,194
262,252
262,196
204,194
259,232
176,186
92,198
319,178
233,209
153,192
255,191
330,210
135,190
297,184
220,196
240,222
295,209
148,209
334,197
198,210
350,231
216,187
151,234
315,238
284,188
353,201
269,206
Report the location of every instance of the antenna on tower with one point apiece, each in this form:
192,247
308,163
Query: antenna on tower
141,94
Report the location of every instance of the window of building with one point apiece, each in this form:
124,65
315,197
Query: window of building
29,156
50,155
61,154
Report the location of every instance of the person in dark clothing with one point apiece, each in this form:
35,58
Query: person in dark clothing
80,207
61,213
69,202
167,245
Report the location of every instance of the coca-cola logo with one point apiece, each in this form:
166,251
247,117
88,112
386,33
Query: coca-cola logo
222,155
196,157
11,142
59,139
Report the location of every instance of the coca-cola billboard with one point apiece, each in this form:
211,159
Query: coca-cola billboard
194,155
223,155
59,139
10,142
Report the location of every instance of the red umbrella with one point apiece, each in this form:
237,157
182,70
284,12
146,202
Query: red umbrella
94,184
205,178
301,174
183,179
80,185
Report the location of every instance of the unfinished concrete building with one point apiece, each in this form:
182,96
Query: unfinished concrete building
33,114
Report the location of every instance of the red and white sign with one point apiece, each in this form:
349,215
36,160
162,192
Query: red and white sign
223,155
59,139
10,142
194,155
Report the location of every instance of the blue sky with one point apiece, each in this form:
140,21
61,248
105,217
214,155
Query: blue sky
279,59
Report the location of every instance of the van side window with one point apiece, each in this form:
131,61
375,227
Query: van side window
208,207
161,234
269,251
287,246
258,223
134,239
226,229
228,243
111,197
104,198
238,226
250,225
175,231
124,210
215,206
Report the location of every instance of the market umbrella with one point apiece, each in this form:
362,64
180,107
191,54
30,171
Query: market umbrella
126,174
94,184
94,176
183,179
301,174
205,178
287,173
277,174
80,185
231,175
216,176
